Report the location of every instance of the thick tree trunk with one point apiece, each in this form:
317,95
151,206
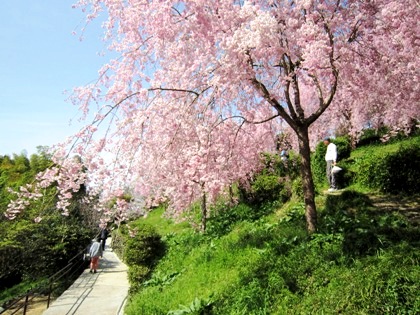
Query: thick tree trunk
307,180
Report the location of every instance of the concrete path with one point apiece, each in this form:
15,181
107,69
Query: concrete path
102,293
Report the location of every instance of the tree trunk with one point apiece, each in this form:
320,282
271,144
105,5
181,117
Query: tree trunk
203,210
307,180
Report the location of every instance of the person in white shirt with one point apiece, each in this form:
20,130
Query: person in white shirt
331,158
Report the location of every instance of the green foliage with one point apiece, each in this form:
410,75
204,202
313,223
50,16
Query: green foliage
197,307
361,261
118,240
224,217
323,275
266,187
144,247
343,147
297,188
159,279
272,183
38,250
364,229
396,170
137,275
141,247
372,136
31,250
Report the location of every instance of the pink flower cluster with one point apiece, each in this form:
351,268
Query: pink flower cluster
200,88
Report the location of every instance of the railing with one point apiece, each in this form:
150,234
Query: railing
64,276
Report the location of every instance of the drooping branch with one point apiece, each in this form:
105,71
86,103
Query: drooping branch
175,90
323,104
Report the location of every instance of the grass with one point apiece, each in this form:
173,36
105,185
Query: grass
362,260
165,226
210,265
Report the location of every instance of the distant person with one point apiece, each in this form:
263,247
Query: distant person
331,159
95,252
284,155
103,236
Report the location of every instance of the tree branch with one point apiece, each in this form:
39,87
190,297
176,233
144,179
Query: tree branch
174,90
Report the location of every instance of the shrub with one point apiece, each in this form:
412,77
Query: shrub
297,188
272,182
372,136
144,248
393,172
266,187
224,218
137,275
118,240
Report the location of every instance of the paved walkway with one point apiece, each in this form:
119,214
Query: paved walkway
102,293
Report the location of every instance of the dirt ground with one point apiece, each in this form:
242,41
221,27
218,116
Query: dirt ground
36,306
407,206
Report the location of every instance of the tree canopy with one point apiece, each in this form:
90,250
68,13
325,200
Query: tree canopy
200,88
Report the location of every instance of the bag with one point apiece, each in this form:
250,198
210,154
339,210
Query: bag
336,169
86,257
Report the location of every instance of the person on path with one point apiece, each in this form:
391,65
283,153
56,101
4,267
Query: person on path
331,159
104,235
284,155
95,252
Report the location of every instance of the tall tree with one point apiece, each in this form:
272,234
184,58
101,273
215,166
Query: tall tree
200,87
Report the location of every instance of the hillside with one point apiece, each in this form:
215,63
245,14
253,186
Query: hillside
364,258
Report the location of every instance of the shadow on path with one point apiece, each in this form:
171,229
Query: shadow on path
102,293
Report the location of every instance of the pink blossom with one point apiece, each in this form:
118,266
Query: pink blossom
198,90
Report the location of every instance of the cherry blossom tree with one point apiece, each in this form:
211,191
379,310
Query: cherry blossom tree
200,88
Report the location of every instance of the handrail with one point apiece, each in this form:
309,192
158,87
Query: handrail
47,286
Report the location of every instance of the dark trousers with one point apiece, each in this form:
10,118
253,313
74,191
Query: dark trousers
103,241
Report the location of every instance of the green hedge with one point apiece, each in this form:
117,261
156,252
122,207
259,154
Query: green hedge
144,247
272,182
392,172
140,247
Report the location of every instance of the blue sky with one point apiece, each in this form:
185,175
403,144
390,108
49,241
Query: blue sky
40,58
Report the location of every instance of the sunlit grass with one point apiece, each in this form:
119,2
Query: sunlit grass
360,261
209,269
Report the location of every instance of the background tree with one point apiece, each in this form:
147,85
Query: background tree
40,240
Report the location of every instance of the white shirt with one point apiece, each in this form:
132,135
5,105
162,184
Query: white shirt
331,154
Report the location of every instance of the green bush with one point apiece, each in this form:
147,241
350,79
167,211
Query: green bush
391,172
266,187
225,217
372,136
137,275
272,182
144,247
118,241
141,248
297,188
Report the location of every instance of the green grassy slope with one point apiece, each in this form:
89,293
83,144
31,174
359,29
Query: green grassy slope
362,260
